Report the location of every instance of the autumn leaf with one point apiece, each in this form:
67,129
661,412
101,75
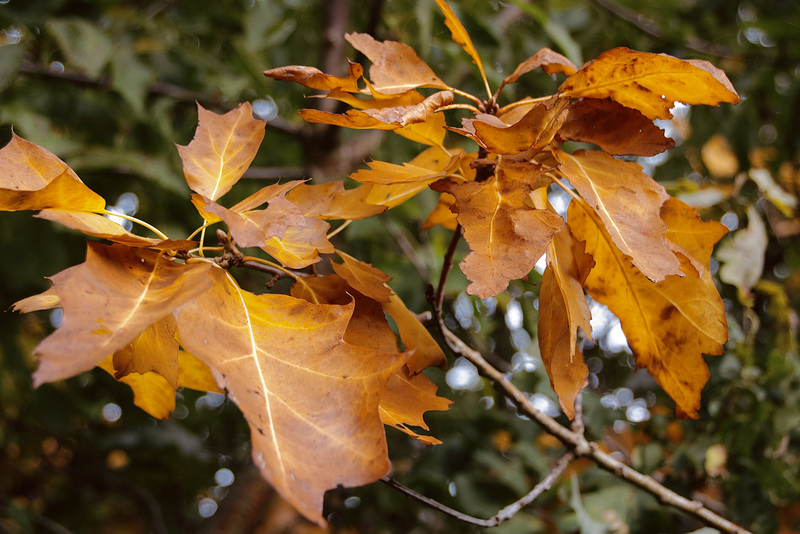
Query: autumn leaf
151,391
363,277
98,226
396,68
108,301
254,227
551,62
534,130
332,201
669,325
269,352
300,246
221,151
650,83
155,349
353,118
65,191
436,165
629,204
614,128
441,215
416,113
314,78
506,236
409,394
742,256
460,35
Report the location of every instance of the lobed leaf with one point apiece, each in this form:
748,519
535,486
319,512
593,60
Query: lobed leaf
221,151
332,201
269,351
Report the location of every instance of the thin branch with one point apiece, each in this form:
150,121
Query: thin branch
578,444
502,515
447,266
578,425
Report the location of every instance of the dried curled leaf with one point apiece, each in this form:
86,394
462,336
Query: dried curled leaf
314,78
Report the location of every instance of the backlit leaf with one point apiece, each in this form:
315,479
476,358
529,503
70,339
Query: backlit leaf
332,201
353,118
669,325
614,128
222,149
300,246
506,236
108,301
96,225
269,351
629,204
151,391
460,35
413,114
406,399
396,68
363,277
650,83
551,62
253,228
155,349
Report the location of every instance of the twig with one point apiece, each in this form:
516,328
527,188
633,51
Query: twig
502,515
447,266
578,444
577,421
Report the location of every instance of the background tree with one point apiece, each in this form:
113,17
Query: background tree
108,87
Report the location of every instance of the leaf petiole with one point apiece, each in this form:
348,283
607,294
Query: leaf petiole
341,227
140,222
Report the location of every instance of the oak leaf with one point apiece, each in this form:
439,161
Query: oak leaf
108,301
269,351
650,83
616,129
629,204
221,151
396,68
669,324
506,236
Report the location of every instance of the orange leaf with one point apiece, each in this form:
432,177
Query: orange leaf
363,277
151,391
253,228
194,374
221,151
396,68
416,338
506,236
650,83
533,131
436,165
629,204
669,324
64,191
316,79
333,201
269,351
406,399
155,349
300,246
614,128
441,214
460,35
27,166
551,62
108,301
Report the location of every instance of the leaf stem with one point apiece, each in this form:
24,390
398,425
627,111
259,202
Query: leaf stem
466,95
459,106
260,264
523,102
140,222
341,227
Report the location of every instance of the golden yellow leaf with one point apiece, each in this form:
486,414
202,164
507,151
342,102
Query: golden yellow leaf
221,151
629,204
669,325
406,399
194,374
300,246
437,165
28,167
269,351
151,391
353,118
96,225
332,201
108,301
650,83
396,68
155,349
460,35
441,215
551,62
64,191
363,277
416,338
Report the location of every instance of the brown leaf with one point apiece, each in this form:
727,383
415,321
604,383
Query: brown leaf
358,120
406,399
28,167
332,201
396,68
629,203
316,79
269,351
669,324
363,277
460,35
221,151
108,301
614,128
506,237
551,62
437,164
533,131
417,113
651,83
